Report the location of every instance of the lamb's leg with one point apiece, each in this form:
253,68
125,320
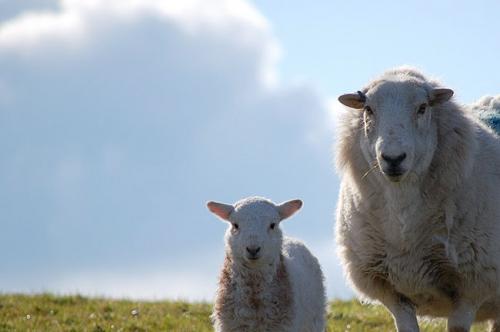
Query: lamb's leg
461,317
403,312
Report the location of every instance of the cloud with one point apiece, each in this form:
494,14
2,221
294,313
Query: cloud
12,9
119,119
151,283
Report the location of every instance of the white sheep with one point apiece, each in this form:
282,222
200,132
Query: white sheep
488,110
418,217
268,282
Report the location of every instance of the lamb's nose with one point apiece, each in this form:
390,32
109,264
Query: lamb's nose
394,161
253,251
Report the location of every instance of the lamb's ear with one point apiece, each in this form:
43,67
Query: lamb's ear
220,209
287,209
440,95
353,100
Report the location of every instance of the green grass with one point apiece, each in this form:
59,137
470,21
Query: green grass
76,313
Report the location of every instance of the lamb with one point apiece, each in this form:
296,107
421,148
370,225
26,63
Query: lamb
418,216
268,282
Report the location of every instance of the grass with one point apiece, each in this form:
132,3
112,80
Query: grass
77,313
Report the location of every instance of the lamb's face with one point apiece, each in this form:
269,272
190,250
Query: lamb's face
400,135
254,237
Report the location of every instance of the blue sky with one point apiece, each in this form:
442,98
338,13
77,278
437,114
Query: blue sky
339,45
120,119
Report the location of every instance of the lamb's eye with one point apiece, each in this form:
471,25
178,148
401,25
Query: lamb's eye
368,110
236,226
421,109
272,225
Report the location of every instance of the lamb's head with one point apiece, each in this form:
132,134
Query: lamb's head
400,133
254,237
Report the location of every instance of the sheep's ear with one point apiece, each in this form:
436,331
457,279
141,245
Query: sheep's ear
353,100
440,95
287,209
220,209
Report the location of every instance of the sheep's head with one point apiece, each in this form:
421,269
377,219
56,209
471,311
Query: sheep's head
254,237
400,136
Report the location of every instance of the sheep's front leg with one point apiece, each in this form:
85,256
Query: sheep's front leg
403,312
495,326
461,317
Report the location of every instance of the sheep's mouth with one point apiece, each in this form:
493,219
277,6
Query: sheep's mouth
394,174
253,258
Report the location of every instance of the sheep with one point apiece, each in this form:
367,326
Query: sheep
418,214
488,110
268,282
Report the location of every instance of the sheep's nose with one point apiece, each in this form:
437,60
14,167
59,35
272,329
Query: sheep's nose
394,161
253,251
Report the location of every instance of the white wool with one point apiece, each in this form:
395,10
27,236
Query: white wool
426,241
487,109
283,289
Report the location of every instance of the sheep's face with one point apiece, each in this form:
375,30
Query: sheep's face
254,237
399,135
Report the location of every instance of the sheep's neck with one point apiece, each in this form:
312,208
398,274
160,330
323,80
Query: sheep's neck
403,213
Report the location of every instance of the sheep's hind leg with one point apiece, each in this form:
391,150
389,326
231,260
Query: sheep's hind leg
461,317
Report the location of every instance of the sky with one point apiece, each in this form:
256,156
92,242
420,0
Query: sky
119,119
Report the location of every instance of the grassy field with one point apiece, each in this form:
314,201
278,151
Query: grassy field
75,313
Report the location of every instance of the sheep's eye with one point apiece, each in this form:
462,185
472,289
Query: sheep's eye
272,226
368,110
236,226
422,108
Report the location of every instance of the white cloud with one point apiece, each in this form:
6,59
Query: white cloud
141,285
77,20
138,285
120,119
12,9
33,29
